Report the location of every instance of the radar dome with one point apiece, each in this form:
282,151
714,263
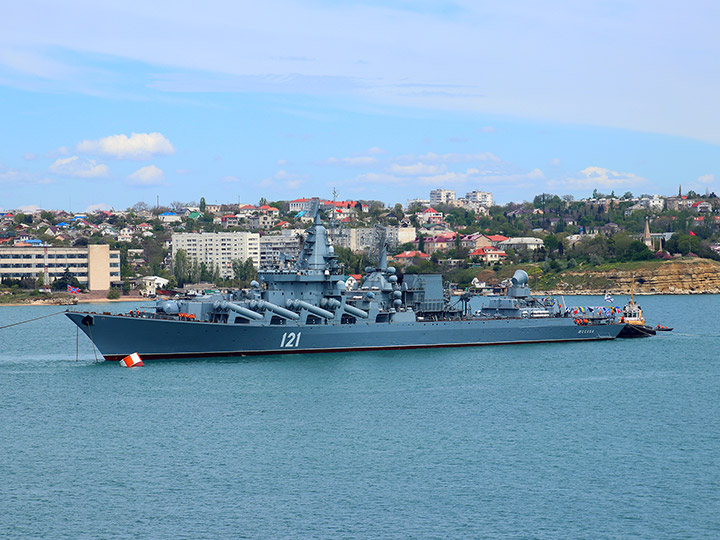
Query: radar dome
520,277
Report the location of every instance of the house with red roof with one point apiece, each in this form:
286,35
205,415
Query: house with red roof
410,257
246,210
489,254
440,242
474,241
430,215
702,207
269,210
495,239
230,220
342,208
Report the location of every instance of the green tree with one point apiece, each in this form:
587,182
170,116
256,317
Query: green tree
61,283
203,205
181,267
113,294
244,271
551,242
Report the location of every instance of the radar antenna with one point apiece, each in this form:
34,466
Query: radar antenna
379,247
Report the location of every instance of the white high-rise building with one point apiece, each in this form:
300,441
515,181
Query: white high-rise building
482,198
273,246
95,266
218,249
441,196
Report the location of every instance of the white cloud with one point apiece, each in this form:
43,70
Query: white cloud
283,179
356,161
230,179
95,207
292,184
600,177
378,178
17,178
29,156
10,176
481,178
535,174
445,178
374,151
416,169
54,154
706,179
458,158
138,146
28,208
487,129
355,50
75,167
147,176
284,175
555,162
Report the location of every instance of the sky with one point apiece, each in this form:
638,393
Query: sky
105,104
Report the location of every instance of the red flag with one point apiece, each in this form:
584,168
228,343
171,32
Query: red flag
692,233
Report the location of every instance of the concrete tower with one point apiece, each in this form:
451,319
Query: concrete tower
647,239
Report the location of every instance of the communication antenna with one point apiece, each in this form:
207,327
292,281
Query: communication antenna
379,247
334,210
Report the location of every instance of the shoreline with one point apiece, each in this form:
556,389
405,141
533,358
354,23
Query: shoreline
84,301
553,292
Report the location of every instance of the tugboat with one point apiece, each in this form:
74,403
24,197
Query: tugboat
632,316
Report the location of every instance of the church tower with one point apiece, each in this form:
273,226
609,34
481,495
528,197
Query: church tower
647,239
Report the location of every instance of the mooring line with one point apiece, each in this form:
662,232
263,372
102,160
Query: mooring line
30,320
93,342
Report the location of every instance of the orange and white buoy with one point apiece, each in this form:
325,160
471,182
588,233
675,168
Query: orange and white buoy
132,360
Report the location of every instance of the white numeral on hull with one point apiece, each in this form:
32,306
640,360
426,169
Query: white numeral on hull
290,339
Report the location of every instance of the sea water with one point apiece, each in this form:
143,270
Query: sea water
596,440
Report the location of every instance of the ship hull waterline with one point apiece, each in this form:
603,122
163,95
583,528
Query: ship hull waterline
116,336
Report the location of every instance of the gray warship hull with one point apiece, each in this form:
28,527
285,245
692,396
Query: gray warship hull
116,336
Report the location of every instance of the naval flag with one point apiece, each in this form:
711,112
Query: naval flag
608,298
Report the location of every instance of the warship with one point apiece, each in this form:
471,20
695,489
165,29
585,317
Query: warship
311,306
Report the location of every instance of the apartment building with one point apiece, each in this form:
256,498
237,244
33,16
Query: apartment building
362,238
481,198
274,246
218,249
95,266
441,196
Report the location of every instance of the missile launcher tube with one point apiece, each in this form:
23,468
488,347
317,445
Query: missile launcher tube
314,309
264,304
357,312
247,313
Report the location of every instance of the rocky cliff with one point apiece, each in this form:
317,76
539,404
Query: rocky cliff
690,276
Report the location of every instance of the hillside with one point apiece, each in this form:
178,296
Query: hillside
685,276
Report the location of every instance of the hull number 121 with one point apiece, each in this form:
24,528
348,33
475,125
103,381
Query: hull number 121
290,339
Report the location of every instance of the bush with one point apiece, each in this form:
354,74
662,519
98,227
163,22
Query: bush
113,294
